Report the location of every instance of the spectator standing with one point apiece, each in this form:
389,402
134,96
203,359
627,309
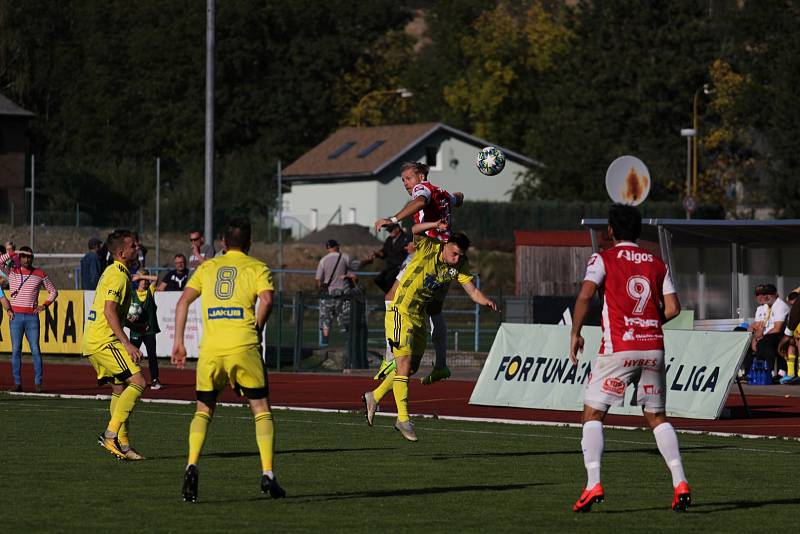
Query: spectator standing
200,251
24,284
393,253
91,265
145,327
334,281
175,280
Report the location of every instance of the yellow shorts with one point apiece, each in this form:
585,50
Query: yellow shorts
113,364
406,336
244,371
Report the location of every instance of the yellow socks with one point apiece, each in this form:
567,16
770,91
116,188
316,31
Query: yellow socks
197,436
791,365
385,387
400,389
122,408
265,437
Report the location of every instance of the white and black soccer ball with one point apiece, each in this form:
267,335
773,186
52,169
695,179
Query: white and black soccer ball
134,312
491,161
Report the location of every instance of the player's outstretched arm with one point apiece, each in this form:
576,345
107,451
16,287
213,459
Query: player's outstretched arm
478,296
579,314
421,228
188,296
408,210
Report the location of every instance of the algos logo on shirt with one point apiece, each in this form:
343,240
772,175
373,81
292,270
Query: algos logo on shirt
225,313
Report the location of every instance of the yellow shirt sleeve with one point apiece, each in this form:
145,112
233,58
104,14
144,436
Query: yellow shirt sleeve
264,279
464,275
115,289
196,280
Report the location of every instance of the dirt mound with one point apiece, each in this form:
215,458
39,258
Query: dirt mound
345,234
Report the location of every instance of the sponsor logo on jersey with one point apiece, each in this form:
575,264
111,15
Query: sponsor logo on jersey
644,323
92,315
635,256
226,313
432,283
614,386
628,335
651,389
113,292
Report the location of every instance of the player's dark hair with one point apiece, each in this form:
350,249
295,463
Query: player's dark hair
116,239
461,240
792,296
625,222
417,167
237,233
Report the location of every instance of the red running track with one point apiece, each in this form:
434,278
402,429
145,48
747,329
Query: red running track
771,415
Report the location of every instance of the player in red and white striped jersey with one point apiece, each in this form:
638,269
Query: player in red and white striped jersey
24,282
639,298
429,203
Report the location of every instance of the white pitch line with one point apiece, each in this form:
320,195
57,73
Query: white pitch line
447,418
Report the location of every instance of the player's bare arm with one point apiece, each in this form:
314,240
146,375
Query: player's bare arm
408,210
262,315
110,313
672,306
421,228
584,298
479,297
188,296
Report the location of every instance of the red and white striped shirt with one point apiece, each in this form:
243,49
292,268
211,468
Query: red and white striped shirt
24,285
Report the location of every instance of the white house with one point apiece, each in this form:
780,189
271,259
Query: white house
353,176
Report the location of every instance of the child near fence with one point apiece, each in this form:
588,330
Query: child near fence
145,322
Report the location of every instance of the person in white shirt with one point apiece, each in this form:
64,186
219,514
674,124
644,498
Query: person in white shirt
768,327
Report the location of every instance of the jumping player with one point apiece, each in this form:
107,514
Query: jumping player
434,266
639,298
428,204
229,350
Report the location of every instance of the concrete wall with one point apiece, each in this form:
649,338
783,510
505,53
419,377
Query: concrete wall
326,198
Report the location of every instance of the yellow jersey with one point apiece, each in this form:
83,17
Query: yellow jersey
229,286
114,285
427,277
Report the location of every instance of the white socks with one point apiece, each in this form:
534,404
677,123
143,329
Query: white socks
439,338
592,445
667,442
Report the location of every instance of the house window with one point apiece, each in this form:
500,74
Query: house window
341,150
370,149
432,158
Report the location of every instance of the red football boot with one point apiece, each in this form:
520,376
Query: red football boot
588,498
682,498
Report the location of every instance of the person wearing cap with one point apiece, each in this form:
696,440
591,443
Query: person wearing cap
24,284
768,327
91,265
334,277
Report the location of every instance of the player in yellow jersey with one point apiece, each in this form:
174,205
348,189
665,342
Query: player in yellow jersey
425,279
229,349
109,350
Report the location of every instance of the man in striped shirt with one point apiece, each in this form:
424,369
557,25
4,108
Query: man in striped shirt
24,283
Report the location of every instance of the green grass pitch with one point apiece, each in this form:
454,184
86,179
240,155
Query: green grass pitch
341,475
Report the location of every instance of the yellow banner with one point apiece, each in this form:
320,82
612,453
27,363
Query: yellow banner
60,325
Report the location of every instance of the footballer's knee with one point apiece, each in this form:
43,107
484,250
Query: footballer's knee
654,419
592,414
137,379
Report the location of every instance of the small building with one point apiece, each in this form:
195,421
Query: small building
353,176
13,150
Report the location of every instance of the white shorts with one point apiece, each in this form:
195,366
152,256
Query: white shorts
611,374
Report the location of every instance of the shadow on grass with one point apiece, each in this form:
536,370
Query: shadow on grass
246,454
716,507
380,494
650,450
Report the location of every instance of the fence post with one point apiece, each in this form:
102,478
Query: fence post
279,340
298,328
477,317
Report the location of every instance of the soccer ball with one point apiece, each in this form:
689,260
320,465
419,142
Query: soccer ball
134,312
491,161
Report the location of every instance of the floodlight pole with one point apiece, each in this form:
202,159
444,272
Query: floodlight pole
689,134
208,229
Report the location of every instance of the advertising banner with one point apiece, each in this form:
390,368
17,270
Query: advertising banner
528,367
60,325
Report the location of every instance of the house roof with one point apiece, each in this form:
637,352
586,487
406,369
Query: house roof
8,108
365,152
